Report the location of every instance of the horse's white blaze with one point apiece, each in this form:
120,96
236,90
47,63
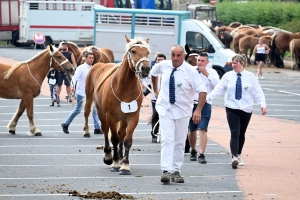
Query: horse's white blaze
125,167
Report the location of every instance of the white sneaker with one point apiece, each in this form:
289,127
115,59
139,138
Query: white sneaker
262,77
234,162
241,162
257,77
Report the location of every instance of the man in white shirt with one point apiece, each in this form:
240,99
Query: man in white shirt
179,82
78,81
155,117
210,78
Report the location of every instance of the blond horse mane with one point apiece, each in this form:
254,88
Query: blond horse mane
8,73
108,73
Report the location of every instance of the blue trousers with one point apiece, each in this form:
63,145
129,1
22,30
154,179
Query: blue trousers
77,110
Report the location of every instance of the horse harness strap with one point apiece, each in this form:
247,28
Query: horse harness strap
31,74
114,91
138,70
60,64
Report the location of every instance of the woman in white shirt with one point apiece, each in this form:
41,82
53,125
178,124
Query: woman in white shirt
240,87
260,51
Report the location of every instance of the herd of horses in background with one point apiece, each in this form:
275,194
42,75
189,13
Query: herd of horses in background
243,38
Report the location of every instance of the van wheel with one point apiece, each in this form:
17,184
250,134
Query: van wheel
220,72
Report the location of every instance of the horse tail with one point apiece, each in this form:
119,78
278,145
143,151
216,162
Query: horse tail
273,51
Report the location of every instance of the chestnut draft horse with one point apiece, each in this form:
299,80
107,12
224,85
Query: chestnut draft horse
280,44
116,92
103,55
295,53
192,54
23,81
100,54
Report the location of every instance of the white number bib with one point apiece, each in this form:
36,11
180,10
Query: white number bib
52,81
129,107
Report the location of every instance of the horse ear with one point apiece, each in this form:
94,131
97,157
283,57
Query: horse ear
147,40
127,39
51,48
187,48
204,50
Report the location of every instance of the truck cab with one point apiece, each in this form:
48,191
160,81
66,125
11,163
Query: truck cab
164,30
204,13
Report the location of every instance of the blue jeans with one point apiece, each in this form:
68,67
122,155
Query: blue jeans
77,110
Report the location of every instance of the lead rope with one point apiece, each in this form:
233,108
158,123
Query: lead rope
32,75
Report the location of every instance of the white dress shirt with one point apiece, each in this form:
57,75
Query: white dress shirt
79,78
187,82
250,89
210,81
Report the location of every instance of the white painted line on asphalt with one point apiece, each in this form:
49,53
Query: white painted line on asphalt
135,193
101,165
102,177
282,91
283,115
283,100
54,112
87,154
282,105
279,110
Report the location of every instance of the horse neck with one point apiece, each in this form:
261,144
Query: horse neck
125,78
39,66
76,53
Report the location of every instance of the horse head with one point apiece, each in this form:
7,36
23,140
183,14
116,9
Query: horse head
137,51
59,61
192,54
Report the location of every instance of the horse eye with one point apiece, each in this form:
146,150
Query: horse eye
133,51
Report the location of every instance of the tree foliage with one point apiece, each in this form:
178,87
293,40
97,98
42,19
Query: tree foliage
285,15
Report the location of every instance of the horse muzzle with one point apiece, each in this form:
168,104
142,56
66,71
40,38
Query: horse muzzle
69,70
145,71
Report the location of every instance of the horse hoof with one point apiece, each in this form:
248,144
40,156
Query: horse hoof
12,132
38,134
86,135
115,169
125,172
108,162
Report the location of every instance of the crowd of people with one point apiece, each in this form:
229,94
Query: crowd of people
181,99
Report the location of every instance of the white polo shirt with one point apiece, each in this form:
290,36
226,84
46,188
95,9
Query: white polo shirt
187,82
80,77
210,82
250,89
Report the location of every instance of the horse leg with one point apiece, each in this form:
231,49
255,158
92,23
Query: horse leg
107,158
13,122
87,111
29,109
122,133
114,126
251,52
125,169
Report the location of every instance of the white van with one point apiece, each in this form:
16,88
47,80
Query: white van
163,28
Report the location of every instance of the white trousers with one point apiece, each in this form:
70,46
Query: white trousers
173,136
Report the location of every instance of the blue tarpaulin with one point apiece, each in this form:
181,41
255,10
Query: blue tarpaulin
144,4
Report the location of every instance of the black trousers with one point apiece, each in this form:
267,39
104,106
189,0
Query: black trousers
238,121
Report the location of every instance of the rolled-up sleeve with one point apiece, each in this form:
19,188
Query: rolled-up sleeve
258,93
156,70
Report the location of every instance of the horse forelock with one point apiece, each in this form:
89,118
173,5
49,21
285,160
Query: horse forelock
137,41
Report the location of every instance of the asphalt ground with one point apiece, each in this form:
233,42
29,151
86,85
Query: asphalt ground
48,167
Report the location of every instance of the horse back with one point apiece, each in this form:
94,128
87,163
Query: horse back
108,55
